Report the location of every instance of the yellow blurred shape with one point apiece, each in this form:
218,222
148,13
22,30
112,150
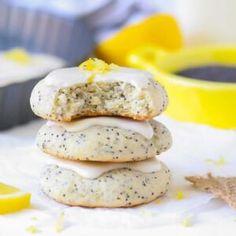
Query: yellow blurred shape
90,79
32,229
95,65
18,55
158,30
12,199
219,162
192,100
179,195
60,222
187,221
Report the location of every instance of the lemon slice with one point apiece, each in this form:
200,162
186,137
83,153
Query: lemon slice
12,199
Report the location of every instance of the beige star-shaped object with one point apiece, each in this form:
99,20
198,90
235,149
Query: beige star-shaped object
221,187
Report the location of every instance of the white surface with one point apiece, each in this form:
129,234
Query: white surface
193,145
142,127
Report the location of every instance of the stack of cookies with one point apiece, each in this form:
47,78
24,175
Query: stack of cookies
100,136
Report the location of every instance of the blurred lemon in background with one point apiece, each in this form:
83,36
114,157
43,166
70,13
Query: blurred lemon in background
157,30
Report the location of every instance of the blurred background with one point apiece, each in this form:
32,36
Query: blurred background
164,37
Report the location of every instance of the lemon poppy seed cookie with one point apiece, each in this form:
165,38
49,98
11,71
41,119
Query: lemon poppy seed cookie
108,187
104,139
96,88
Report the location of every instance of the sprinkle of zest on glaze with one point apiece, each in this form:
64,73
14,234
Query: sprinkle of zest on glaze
90,79
97,70
95,65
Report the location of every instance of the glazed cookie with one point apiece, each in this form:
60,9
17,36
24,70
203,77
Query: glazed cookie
104,139
96,88
121,187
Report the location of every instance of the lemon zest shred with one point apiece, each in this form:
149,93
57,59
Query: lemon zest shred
91,79
218,162
187,221
179,195
88,65
101,66
95,66
32,229
60,222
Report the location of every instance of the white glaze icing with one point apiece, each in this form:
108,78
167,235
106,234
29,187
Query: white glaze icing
40,64
67,77
142,127
93,170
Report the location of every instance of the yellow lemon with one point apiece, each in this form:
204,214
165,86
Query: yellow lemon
12,199
158,30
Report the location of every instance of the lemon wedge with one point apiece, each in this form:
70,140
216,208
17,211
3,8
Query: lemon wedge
12,199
